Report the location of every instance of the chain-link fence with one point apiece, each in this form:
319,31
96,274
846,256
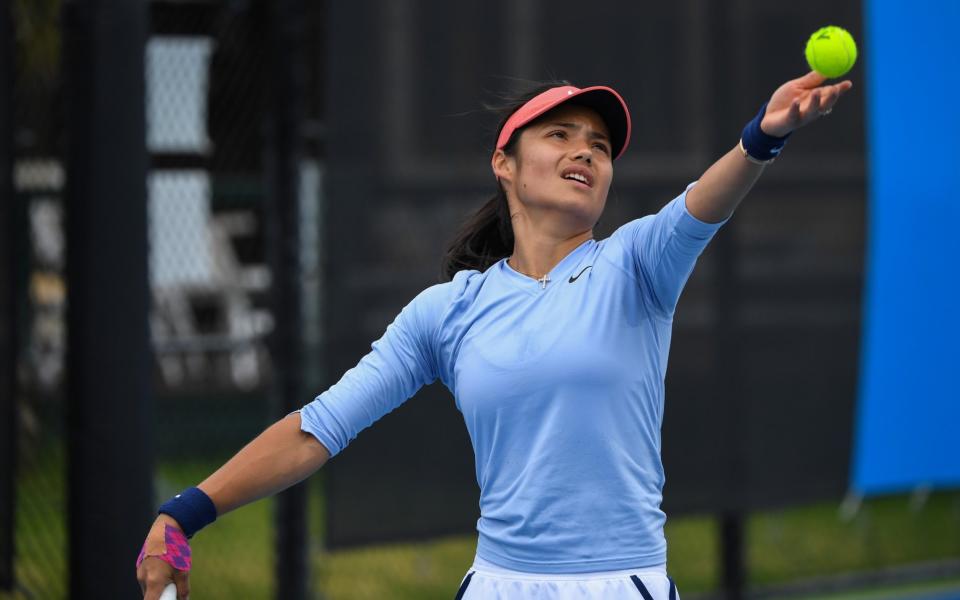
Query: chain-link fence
40,540
209,283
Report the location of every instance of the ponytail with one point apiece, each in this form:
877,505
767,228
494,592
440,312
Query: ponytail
484,238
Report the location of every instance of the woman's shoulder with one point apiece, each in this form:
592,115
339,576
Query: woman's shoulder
654,225
442,295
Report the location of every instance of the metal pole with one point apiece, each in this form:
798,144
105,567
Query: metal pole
284,153
8,305
109,408
727,298
733,574
733,568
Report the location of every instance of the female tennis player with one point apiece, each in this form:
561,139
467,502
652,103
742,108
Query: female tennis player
554,346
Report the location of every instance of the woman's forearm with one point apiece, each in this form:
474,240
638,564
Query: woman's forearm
793,105
721,188
276,459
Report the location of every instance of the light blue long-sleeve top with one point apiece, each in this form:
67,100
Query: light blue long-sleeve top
560,386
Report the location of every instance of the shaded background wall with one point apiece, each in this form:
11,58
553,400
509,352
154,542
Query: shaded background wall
307,163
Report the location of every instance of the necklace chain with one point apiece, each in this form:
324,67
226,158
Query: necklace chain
543,280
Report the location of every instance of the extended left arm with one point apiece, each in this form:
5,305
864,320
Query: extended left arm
795,104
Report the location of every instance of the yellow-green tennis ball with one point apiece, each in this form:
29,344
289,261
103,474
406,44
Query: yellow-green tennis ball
831,51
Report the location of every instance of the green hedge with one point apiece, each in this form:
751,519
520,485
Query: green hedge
234,557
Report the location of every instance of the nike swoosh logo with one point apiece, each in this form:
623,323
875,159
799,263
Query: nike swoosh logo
572,279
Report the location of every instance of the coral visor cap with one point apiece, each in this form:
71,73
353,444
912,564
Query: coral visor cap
608,104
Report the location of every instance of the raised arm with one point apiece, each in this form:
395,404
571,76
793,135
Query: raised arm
795,104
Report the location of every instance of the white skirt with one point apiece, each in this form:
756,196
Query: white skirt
485,581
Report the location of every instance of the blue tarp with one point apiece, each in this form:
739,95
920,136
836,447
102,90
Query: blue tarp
908,416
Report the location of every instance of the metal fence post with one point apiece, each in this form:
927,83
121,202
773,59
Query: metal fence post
109,363
282,217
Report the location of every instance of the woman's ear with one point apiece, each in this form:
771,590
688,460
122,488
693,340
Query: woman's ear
502,165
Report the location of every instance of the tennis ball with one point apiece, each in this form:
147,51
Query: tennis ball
831,51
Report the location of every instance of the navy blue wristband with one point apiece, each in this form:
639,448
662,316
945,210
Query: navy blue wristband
758,145
192,509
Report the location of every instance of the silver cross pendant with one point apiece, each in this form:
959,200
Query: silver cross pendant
543,282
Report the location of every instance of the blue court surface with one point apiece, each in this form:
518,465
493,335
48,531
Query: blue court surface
950,595
933,592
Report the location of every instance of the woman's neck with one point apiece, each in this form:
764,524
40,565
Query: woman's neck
536,257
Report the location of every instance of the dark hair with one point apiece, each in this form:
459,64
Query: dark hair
487,235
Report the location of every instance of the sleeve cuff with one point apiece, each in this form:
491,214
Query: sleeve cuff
310,424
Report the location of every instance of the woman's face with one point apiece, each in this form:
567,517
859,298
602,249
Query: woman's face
563,164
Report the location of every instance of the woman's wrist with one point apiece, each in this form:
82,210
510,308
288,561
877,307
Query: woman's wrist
751,159
191,510
756,145
170,546
165,519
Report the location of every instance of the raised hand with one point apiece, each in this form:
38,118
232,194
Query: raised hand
799,102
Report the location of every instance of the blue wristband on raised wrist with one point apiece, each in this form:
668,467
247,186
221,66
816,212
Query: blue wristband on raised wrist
757,144
192,509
